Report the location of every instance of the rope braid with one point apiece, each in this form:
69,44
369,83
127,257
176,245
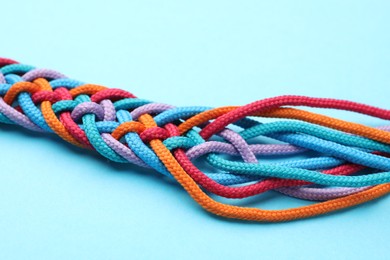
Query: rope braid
172,140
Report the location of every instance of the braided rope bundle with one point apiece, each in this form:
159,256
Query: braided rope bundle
172,141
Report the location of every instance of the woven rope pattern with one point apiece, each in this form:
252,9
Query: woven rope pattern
174,141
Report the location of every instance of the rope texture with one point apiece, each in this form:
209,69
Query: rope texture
345,163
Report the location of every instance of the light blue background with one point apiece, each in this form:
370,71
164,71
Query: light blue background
59,202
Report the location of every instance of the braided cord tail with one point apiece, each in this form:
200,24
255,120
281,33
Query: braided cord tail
253,214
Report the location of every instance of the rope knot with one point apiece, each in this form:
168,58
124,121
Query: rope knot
41,96
87,108
154,133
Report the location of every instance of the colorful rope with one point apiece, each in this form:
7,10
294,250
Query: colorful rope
351,164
